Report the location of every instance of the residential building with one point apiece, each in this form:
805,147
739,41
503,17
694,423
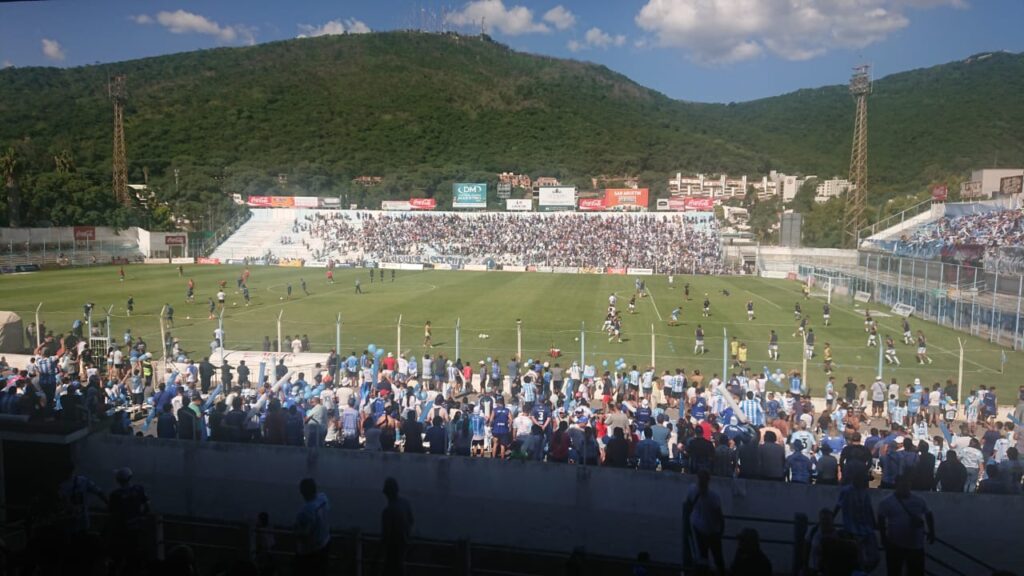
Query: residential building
722,187
516,180
831,188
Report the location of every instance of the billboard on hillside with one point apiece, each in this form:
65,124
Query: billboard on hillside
940,193
519,205
85,232
175,240
422,203
699,204
626,198
469,195
307,202
395,205
557,197
591,204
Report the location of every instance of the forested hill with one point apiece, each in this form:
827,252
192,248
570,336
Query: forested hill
424,110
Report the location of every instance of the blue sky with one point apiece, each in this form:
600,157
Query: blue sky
701,50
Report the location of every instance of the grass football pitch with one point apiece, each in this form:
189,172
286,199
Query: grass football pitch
553,309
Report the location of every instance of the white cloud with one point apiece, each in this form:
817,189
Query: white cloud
53,50
560,17
597,38
7,64
182,22
141,18
350,26
493,14
725,31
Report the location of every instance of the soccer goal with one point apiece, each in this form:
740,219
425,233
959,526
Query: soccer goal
820,286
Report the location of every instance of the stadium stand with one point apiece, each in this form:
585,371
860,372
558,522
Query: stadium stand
662,242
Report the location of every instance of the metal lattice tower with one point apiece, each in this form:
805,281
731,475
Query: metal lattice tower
118,91
856,196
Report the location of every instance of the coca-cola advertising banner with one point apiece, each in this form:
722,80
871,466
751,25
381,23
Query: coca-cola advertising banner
85,232
625,198
174,240
271,201
940,193
422,203
698,204
591,204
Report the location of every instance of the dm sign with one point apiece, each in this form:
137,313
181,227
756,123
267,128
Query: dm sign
466,195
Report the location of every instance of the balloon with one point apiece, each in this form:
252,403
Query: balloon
380,352
489,360
372,348
605,363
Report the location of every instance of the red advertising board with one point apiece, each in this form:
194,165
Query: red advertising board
940,193
85,232
202,260
422,203
615,271
625,198
282,202
259,201
174,240
591,204
699,204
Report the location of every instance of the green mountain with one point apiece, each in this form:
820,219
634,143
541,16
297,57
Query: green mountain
426,110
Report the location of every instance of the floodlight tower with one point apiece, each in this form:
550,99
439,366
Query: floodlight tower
118,92
860,88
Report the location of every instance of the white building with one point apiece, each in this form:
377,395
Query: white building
788,184
985,183
831,189
722,187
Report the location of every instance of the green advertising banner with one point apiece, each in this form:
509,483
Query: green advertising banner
468,195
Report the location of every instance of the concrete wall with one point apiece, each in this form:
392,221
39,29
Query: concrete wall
531,505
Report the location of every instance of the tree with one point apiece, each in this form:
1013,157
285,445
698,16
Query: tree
9,169
803,202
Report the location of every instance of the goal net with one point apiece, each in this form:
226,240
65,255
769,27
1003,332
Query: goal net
821,286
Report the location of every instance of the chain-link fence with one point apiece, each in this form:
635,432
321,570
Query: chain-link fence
965,298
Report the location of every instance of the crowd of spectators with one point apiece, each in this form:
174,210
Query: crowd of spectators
664,243
997,229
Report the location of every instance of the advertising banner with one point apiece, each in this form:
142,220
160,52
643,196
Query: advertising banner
175,240
639,271
282,201
330,202
940,193
182,260
395,205
625,198
559,196
475,267
621,271
504,190
511,268
290,263
592,204
204,260
566,270
85,232
307,202
469,195
1010,185
423,203
545,269
519,205
259,201
591,270
698,204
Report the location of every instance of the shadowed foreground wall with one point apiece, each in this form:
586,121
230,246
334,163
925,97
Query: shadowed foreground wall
530,505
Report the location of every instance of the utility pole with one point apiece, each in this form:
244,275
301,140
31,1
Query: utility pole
860,88
118,92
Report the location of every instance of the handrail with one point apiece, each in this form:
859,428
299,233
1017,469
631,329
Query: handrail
967,555
884,223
